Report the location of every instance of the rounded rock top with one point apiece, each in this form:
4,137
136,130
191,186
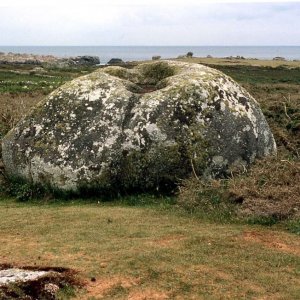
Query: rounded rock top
138,129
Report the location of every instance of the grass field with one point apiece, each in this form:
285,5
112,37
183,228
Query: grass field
20,78
151,252
147,247
243,62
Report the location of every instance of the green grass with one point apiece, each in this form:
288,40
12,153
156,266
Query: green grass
154,249
18,79
261,75
16,83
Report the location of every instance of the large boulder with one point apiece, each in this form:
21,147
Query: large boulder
139,129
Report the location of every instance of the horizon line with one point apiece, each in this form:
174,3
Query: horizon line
149,45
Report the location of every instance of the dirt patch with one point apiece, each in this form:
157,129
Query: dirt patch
167,241
272,241
148,294
216,273
44,287
101,287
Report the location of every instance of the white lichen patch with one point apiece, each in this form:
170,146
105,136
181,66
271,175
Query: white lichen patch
14,275
155,133
246,128
219,160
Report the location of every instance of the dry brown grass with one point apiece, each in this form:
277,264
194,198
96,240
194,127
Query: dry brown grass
281,105
15,106
270,188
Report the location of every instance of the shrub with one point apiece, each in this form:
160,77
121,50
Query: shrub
155,72
156,57
267,194
208,198
270,189
24,191
13,108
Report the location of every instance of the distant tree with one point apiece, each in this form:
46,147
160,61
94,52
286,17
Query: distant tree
190,54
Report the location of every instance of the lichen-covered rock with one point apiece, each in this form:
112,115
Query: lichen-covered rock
144,128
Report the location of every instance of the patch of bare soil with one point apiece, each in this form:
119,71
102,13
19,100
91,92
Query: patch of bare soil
148,294
272,241
167,241
45,287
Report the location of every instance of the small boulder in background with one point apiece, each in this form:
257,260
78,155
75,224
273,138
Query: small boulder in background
116,61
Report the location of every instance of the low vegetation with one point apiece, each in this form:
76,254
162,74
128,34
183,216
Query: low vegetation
14,106
153,73
231,238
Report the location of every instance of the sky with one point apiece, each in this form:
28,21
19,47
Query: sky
151,22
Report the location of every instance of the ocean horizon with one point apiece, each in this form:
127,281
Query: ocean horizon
137,53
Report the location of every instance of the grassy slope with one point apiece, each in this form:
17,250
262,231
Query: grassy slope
162,253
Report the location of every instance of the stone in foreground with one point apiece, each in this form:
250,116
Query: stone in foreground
14,275
139,129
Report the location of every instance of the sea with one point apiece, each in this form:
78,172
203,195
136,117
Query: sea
137,53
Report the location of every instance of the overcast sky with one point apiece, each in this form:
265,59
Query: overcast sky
152,22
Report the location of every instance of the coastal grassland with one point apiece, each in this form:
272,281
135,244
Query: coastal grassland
248,62
28,79
275,86
229,239
18,80
153,251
